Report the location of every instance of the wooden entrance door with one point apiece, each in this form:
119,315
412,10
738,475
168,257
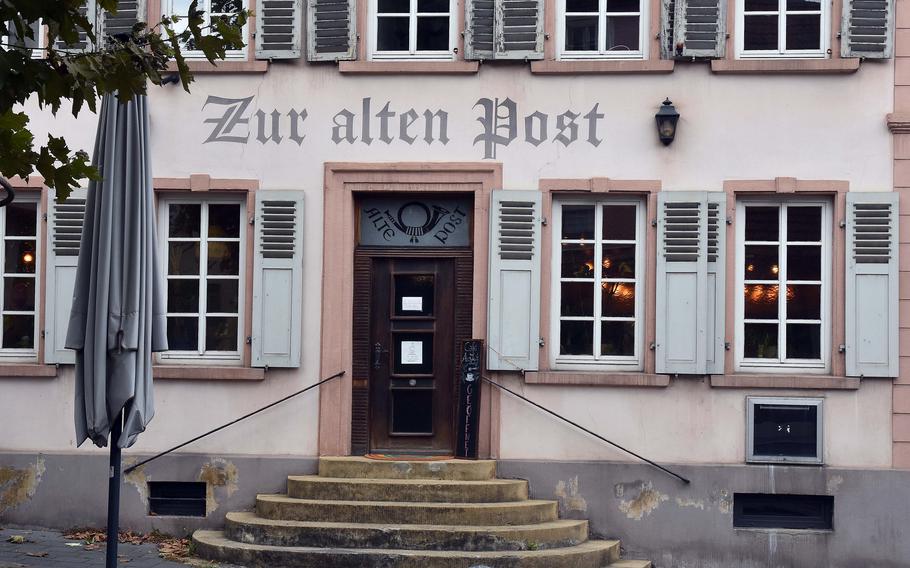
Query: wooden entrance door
412,342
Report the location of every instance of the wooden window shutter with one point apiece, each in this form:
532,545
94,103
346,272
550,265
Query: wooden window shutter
331,30
871,316
667,19
278,279
716,283
129,13
867,29
513,316
83,43
478,29
504,29
64,232
699,28
682,282
279,24
25,41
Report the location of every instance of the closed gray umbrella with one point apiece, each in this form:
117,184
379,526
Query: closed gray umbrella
117,319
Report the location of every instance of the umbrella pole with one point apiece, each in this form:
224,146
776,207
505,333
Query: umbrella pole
113,494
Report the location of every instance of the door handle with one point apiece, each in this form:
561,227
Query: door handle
377,355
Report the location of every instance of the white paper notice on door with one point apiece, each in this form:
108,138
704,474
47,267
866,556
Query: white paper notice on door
412,352
412,303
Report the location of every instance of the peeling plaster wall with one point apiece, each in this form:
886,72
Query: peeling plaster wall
691,526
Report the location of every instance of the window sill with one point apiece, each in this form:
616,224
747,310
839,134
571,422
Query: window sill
798,66
408,67
606,379
582,67
213,373
27,370
229,66
802,382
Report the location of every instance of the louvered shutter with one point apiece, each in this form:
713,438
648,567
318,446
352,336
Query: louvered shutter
478,29
682,262
867,29
716,273
278,28
278,279
667,19
700,28
64,231
518,29
83,43
129,13
513,316
871,317
331,30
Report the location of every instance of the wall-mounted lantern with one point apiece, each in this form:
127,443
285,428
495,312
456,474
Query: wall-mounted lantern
666,117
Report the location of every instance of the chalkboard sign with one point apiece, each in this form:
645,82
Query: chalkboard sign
415,222
469,399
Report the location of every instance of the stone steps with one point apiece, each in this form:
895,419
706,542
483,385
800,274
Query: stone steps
414,490
454,470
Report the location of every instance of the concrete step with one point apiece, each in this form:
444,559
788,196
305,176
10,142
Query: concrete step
455,470
517,513
631,564
249,528
410,490
215,546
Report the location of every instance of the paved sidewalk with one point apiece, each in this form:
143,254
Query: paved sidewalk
62,554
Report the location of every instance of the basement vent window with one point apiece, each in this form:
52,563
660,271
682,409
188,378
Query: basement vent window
766,511
177,498
784,430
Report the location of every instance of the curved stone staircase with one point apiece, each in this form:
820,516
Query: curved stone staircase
362,513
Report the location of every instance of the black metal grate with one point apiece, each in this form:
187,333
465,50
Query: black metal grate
769,511
177,498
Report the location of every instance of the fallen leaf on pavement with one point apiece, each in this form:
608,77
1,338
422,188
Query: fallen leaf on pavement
36,554
16,539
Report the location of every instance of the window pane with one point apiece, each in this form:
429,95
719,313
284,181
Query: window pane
220,334
20,257
622,6
618,261
414,294
183,258
581,33
18,332
618,299
760,33
760,301
182,333
432,5
224,258
577,222
789,430
224,221
804,341
433,33
577,261
761,6
804,5
619,222
804,262
617,338
804,31
412,411
394,6
761,262
760,341
804,224
576,337
19,294
762,223
21,219
392,34
183,295
184,219
804,301
622,33
581,6
222,296
412,353
576,299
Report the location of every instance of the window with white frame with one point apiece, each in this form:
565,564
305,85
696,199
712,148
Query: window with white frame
19,285
35,43
204,254
602,29
784,269
782,28
413,29
598,284
211,9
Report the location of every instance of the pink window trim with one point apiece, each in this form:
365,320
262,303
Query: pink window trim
210,373
595,67
597,186
457,67
833,66
205,183
836,189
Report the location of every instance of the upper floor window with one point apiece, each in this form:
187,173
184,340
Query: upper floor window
18,287
598,284
212,9
602,29
204,249
35,43
418,29
782,28
784,268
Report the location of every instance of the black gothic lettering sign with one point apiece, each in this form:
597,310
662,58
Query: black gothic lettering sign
469,399
415,222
